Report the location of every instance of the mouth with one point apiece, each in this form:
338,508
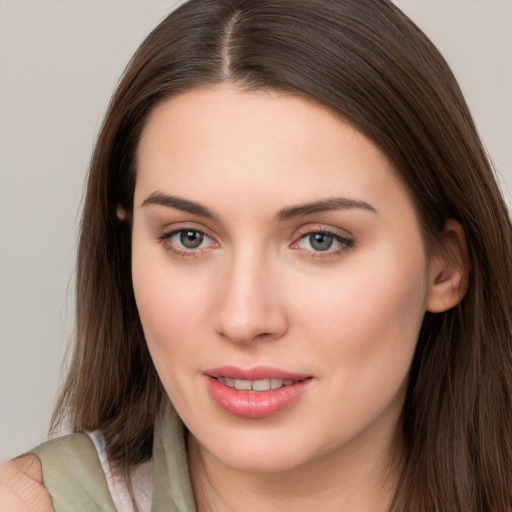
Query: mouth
255,393
256,385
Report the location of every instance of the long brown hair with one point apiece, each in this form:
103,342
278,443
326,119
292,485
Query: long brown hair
367,62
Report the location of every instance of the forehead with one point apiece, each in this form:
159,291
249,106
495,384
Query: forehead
223,142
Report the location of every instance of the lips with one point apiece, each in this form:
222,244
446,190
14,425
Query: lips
255,393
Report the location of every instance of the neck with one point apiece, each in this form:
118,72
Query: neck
344,480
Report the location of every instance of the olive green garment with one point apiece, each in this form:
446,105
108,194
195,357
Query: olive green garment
74,478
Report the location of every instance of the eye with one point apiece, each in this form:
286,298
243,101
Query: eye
189,238
321,241
186,241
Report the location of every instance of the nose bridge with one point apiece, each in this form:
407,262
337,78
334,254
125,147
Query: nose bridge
250,304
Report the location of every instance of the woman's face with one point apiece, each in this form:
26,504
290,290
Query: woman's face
280,277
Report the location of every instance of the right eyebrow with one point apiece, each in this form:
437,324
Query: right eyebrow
158,198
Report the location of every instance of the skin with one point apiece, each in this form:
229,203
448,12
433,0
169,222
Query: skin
257,292
21,486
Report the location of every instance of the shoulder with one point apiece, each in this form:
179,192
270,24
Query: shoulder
73,475
21,486
60,475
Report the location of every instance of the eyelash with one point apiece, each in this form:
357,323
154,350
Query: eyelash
165,239
345,244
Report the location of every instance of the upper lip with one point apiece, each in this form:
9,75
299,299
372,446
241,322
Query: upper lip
255,373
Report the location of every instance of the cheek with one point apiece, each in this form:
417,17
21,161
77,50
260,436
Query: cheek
171,305
369,316
170,309
365,334
163,305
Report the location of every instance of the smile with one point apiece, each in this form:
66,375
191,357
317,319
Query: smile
255,393
255,385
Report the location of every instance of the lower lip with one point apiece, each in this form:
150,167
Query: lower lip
255,404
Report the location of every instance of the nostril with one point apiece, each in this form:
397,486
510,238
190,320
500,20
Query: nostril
247,337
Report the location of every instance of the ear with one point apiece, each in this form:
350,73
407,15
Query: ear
449,270
120,212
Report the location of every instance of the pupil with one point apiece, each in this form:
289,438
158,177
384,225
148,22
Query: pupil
320,242
191,239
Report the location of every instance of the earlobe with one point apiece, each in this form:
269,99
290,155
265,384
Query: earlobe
120,212
449,270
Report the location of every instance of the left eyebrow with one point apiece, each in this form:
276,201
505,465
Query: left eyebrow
325,205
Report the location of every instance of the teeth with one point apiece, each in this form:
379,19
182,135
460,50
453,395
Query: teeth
261,385
255,385
276,383
242,385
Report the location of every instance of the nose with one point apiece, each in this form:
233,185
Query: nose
251,305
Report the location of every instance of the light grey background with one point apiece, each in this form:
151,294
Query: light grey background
59,63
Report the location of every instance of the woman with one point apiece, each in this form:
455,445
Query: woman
292,232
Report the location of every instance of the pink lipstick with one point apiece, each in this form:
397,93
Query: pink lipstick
255,393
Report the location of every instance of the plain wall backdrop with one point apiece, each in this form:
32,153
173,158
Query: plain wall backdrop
59,63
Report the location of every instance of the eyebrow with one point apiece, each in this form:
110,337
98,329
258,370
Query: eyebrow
180,204
324,205
292,212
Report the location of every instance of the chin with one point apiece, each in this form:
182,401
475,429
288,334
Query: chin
264,452
263,462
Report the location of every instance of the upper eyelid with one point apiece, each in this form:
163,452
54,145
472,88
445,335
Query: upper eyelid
321,228
167,231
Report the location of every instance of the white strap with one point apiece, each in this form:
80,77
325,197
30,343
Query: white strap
141,480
